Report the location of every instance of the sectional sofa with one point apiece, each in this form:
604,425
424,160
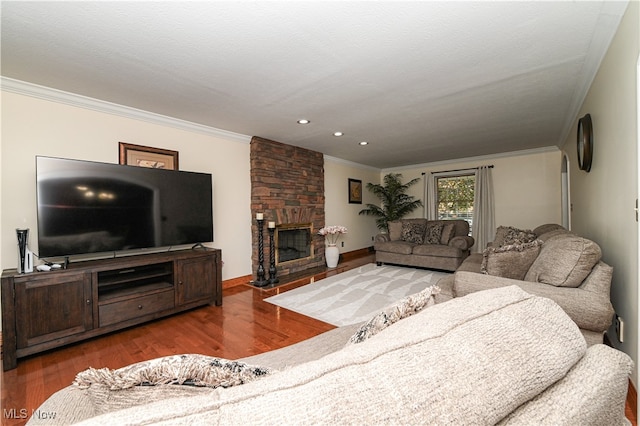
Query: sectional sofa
500,356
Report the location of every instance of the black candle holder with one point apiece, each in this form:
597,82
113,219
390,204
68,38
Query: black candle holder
260,281
273,279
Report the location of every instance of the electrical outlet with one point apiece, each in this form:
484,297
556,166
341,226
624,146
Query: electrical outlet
619,328
373,238
342,243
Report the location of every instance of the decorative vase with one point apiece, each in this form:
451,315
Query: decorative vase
332,255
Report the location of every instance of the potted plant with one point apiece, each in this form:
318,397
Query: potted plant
395,203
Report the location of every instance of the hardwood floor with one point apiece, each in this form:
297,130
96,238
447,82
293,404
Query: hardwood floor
244,325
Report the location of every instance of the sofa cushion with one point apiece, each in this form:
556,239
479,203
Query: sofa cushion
395,230
547,227
413,232
433,233
448,232
399,247
437,250
553,234
404,308
564,261
510,261
508,235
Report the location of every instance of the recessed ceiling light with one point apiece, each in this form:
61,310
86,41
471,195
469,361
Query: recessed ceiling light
303,121
363,143
338,134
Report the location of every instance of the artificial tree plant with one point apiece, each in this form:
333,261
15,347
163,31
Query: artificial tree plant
395,203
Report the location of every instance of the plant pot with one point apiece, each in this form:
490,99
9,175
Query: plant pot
332,255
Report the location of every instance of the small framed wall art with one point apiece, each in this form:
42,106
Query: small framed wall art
146,156
355,191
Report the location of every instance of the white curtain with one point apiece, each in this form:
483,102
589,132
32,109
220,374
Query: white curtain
430,196
483,209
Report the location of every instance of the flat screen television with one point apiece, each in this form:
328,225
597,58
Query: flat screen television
89,207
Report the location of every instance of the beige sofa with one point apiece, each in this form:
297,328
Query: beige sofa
548,261
478,359
435,244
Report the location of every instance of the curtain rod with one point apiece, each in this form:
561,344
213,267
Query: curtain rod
458,170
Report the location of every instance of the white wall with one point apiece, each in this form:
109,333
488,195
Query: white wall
526,185
604,199
32,126
338,211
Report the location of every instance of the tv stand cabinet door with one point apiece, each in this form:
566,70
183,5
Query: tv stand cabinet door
196,280
50,307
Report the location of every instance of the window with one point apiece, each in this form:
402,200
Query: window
455,197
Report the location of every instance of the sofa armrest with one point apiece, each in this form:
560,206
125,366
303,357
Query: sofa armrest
589,310
382,238
463,242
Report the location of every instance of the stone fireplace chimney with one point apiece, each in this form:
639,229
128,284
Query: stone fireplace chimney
287,186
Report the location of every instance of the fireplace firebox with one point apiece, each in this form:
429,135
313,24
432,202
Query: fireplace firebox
293,242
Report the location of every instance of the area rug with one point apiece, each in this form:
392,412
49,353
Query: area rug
356,295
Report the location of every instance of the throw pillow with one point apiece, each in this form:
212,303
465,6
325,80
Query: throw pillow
512,261
433,233
395,230
413,232
564,261
508,235
448,231
195,370
404,308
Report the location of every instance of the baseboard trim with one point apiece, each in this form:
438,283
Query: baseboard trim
356,254
632,400
234,282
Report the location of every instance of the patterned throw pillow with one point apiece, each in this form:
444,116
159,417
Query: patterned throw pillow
508,236
433,234
191,369
510,261
413,232
404,308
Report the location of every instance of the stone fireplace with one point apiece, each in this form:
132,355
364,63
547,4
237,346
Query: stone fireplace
287,186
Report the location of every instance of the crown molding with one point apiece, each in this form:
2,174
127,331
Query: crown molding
479,158
351,163
72,99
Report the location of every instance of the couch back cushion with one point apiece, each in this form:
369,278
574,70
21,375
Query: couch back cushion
450,228
396,226
564,261
547,227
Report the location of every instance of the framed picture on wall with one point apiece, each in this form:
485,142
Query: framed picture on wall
146,156
355,191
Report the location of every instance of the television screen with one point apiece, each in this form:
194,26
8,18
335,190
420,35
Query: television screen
89,207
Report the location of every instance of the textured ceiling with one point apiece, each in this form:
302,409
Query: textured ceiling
420,81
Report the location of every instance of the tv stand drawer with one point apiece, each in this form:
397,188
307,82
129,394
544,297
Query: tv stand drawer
112,313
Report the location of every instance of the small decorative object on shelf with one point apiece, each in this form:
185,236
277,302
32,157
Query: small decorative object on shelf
273,278
331,251
260,280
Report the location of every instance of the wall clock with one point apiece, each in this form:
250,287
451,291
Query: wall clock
585,143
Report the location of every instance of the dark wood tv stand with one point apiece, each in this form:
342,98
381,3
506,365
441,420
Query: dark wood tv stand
46,310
